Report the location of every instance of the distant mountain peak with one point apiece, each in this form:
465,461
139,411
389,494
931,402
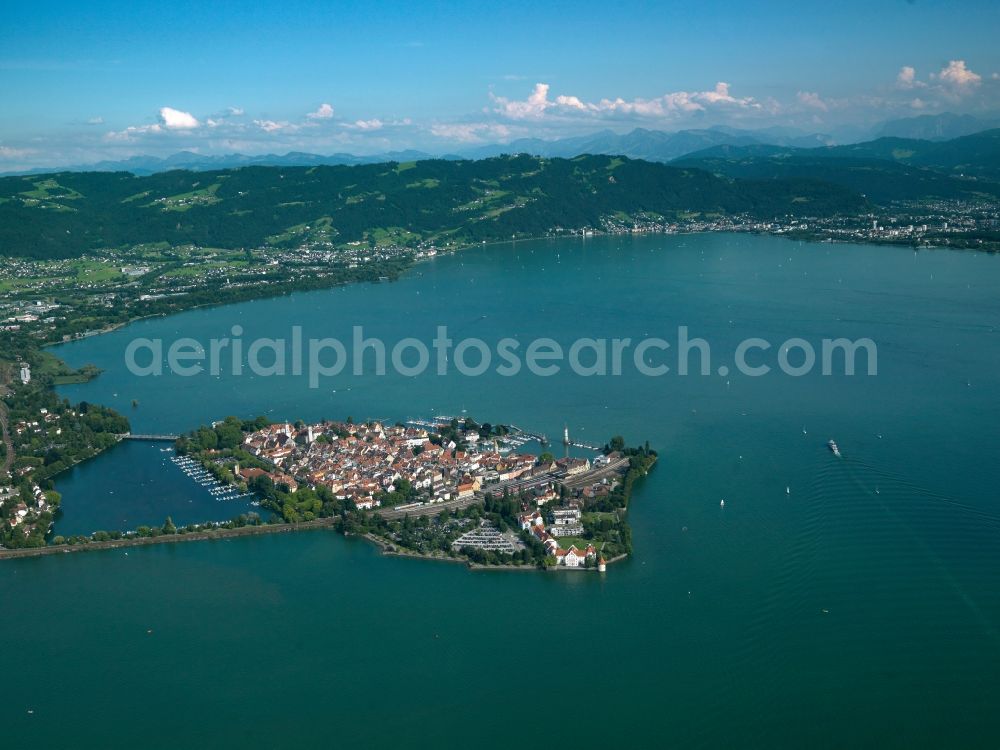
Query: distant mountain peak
941,127
640,143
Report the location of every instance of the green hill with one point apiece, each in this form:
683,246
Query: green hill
884,170
880,181
70,213
971,155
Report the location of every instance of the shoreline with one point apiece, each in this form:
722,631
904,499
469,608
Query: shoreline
390,550
266,294
49,345
194,536
385,548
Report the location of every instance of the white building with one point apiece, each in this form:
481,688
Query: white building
566,522
566,516
531,519
575,558
25,373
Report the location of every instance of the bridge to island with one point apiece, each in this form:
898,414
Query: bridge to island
149,436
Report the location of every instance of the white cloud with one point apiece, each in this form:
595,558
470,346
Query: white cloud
132,132
7,152
532,107
812,100
372,124
680,102
225,117
720,95
543,112
325,112
538,104
175,119
272,126
572,102
907,78
953,81
475,132
956,75
95,121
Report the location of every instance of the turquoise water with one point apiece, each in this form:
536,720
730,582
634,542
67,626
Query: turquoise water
136,484
861,608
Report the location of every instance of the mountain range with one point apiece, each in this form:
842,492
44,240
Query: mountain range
648,145
640,143
942,127
884,170
189,160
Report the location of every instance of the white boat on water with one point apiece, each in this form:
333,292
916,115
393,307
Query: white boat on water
832,445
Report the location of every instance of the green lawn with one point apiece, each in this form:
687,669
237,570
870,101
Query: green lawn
95,271
581,544
428,182
597,516
391,236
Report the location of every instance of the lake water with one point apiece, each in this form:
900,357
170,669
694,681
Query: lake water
137,484
859,608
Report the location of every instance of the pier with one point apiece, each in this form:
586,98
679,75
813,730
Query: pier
215,532
536,436
426,424
516,433
568,443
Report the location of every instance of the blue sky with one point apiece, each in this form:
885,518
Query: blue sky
86,81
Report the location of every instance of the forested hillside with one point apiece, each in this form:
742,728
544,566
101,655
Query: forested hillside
884,170
68,214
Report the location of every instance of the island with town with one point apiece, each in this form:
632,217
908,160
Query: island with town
448,488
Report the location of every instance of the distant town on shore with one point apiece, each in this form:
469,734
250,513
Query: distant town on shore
448,487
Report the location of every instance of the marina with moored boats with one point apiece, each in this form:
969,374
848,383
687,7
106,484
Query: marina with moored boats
219,490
